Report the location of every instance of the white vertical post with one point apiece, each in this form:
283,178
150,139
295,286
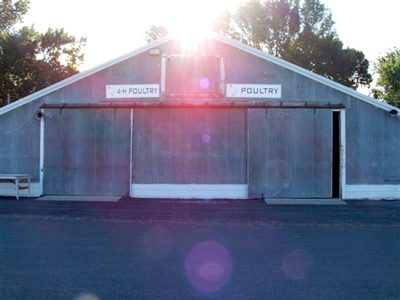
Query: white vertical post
29,187
248,148
222,75
163,74
41,164
131,158
17,187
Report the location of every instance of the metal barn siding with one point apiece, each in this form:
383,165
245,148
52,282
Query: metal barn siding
87,152
20,147
18,150
373,146
186,142
91,90
190,146
290,153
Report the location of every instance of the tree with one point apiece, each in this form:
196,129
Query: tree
29,60
302,34
267,26
388,83
224,25
11,13
326,56
155,32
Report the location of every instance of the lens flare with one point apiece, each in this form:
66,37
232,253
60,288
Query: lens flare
86,296
297,264
205,138
208,266
204,83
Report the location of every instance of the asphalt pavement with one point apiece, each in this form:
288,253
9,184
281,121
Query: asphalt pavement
193,249
211,211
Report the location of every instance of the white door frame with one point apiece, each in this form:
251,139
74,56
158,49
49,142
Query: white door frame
41,157
342,153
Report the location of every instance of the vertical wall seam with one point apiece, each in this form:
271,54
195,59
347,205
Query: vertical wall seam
131,157
61,136
41,154
267,146
332,156
77,155
95,151
113,152
294,178
248,151
314,156
292,142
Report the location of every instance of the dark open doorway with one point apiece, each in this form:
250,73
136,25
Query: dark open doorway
336,155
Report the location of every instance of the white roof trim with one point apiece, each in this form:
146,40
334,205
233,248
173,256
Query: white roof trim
218,37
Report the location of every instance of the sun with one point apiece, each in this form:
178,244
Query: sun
192,21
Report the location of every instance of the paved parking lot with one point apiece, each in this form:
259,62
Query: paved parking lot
189,249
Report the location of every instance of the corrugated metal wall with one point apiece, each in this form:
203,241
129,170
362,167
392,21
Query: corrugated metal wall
193,145
290,153
87,152
20,141
372,144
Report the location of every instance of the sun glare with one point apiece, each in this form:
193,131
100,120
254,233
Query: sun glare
192,21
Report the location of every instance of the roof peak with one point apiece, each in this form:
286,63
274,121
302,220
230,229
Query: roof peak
218,37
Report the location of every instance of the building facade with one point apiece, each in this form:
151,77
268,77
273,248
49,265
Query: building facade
219,120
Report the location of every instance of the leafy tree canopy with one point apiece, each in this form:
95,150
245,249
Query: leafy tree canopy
388,83
11,13
29,60
298,31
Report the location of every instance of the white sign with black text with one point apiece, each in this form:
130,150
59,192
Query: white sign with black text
234,90
133,91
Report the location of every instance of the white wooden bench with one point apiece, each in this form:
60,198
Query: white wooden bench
16,180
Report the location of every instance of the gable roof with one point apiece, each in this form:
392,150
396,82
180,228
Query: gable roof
220,38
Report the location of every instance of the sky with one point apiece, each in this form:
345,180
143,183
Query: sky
113,28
